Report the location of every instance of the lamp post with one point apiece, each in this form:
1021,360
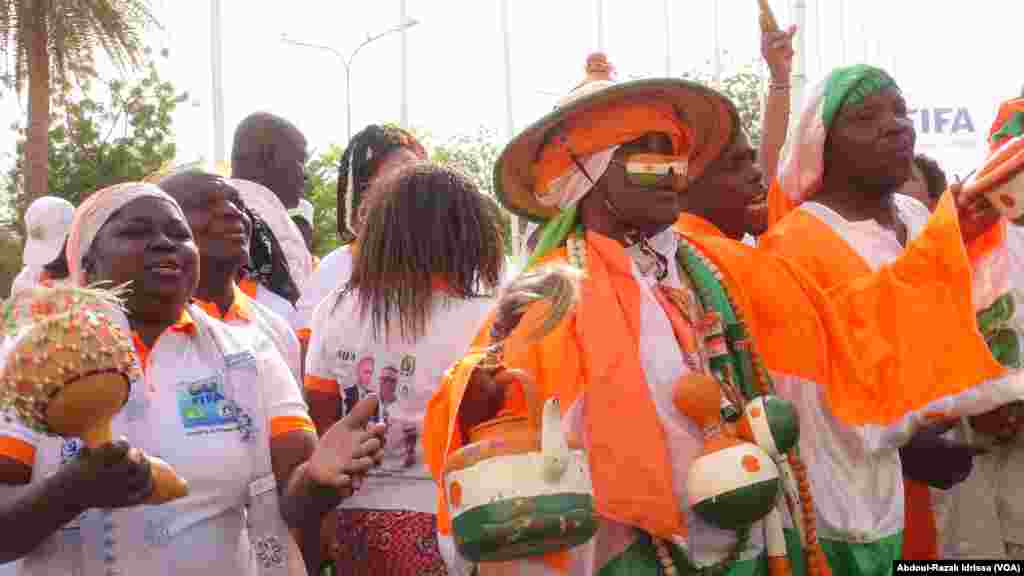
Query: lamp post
347,61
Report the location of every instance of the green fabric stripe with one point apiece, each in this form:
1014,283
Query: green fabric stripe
712,295
554,233
1011,128
640,559
850,85
863,559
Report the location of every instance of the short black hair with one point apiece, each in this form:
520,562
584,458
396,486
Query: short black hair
58,267
934,176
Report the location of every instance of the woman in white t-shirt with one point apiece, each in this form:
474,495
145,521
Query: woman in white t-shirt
430,258
374,153
77,510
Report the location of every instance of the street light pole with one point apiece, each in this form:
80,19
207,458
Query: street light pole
347,62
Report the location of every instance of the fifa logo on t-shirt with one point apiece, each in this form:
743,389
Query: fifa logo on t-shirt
69,450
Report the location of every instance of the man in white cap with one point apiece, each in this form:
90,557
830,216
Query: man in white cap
47,222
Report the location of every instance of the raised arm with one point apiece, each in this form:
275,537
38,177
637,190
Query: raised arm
777,51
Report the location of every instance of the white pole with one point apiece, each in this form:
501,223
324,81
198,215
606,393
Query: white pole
216,71
800,73
510,127
599,10
402,16
668,39
842,33
717,43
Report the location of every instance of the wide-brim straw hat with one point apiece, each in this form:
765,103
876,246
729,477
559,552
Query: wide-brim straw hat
710,115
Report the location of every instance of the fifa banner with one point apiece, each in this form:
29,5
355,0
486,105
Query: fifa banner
953,134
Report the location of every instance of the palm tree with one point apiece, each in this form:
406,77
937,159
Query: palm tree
54,41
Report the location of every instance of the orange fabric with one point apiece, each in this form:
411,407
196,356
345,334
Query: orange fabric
185,325
304,334
248,287
284,424
241,307
325,385
606,126
902,311
899,323
18,449
920,538
579,356
779,203
690,225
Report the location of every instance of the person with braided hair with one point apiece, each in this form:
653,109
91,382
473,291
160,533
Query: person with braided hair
374,152
430,259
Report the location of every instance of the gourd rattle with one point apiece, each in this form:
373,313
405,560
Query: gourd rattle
68,369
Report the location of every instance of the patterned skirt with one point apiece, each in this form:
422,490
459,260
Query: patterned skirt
388,543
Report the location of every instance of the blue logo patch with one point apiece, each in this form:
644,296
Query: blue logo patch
202,404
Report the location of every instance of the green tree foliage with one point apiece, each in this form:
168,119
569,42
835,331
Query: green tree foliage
472,154
116,130
49,43
743,87
108,132
321,191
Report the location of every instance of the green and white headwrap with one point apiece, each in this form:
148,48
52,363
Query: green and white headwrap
804,164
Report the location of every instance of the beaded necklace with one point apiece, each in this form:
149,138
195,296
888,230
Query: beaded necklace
742,373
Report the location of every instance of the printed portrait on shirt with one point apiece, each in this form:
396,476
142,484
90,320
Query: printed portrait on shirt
391,377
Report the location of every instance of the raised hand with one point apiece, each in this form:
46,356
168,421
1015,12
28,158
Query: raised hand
114,475
937,462
977,214
777,51
349,449
484,397
1002,424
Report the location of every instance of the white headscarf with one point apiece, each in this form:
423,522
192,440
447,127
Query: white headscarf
96,211
271,210
569,188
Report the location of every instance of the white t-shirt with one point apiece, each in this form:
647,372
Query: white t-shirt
247,312
268,299
346,360
183,411
333,271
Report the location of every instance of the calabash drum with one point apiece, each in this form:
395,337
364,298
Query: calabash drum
732,483
68,370
771,423
519,489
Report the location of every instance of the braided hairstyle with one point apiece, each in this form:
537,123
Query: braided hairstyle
429,233
267,263
359,164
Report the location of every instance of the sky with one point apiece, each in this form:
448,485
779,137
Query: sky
941,53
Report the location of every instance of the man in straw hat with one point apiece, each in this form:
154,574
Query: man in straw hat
605,171
838,217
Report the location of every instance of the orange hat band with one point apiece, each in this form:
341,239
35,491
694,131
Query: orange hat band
603,127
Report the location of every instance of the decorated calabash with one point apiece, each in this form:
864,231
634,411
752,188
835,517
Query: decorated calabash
733,482
68,369
771,423
520,488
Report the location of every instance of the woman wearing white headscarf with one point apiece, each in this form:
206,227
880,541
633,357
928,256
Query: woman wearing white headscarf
78,510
